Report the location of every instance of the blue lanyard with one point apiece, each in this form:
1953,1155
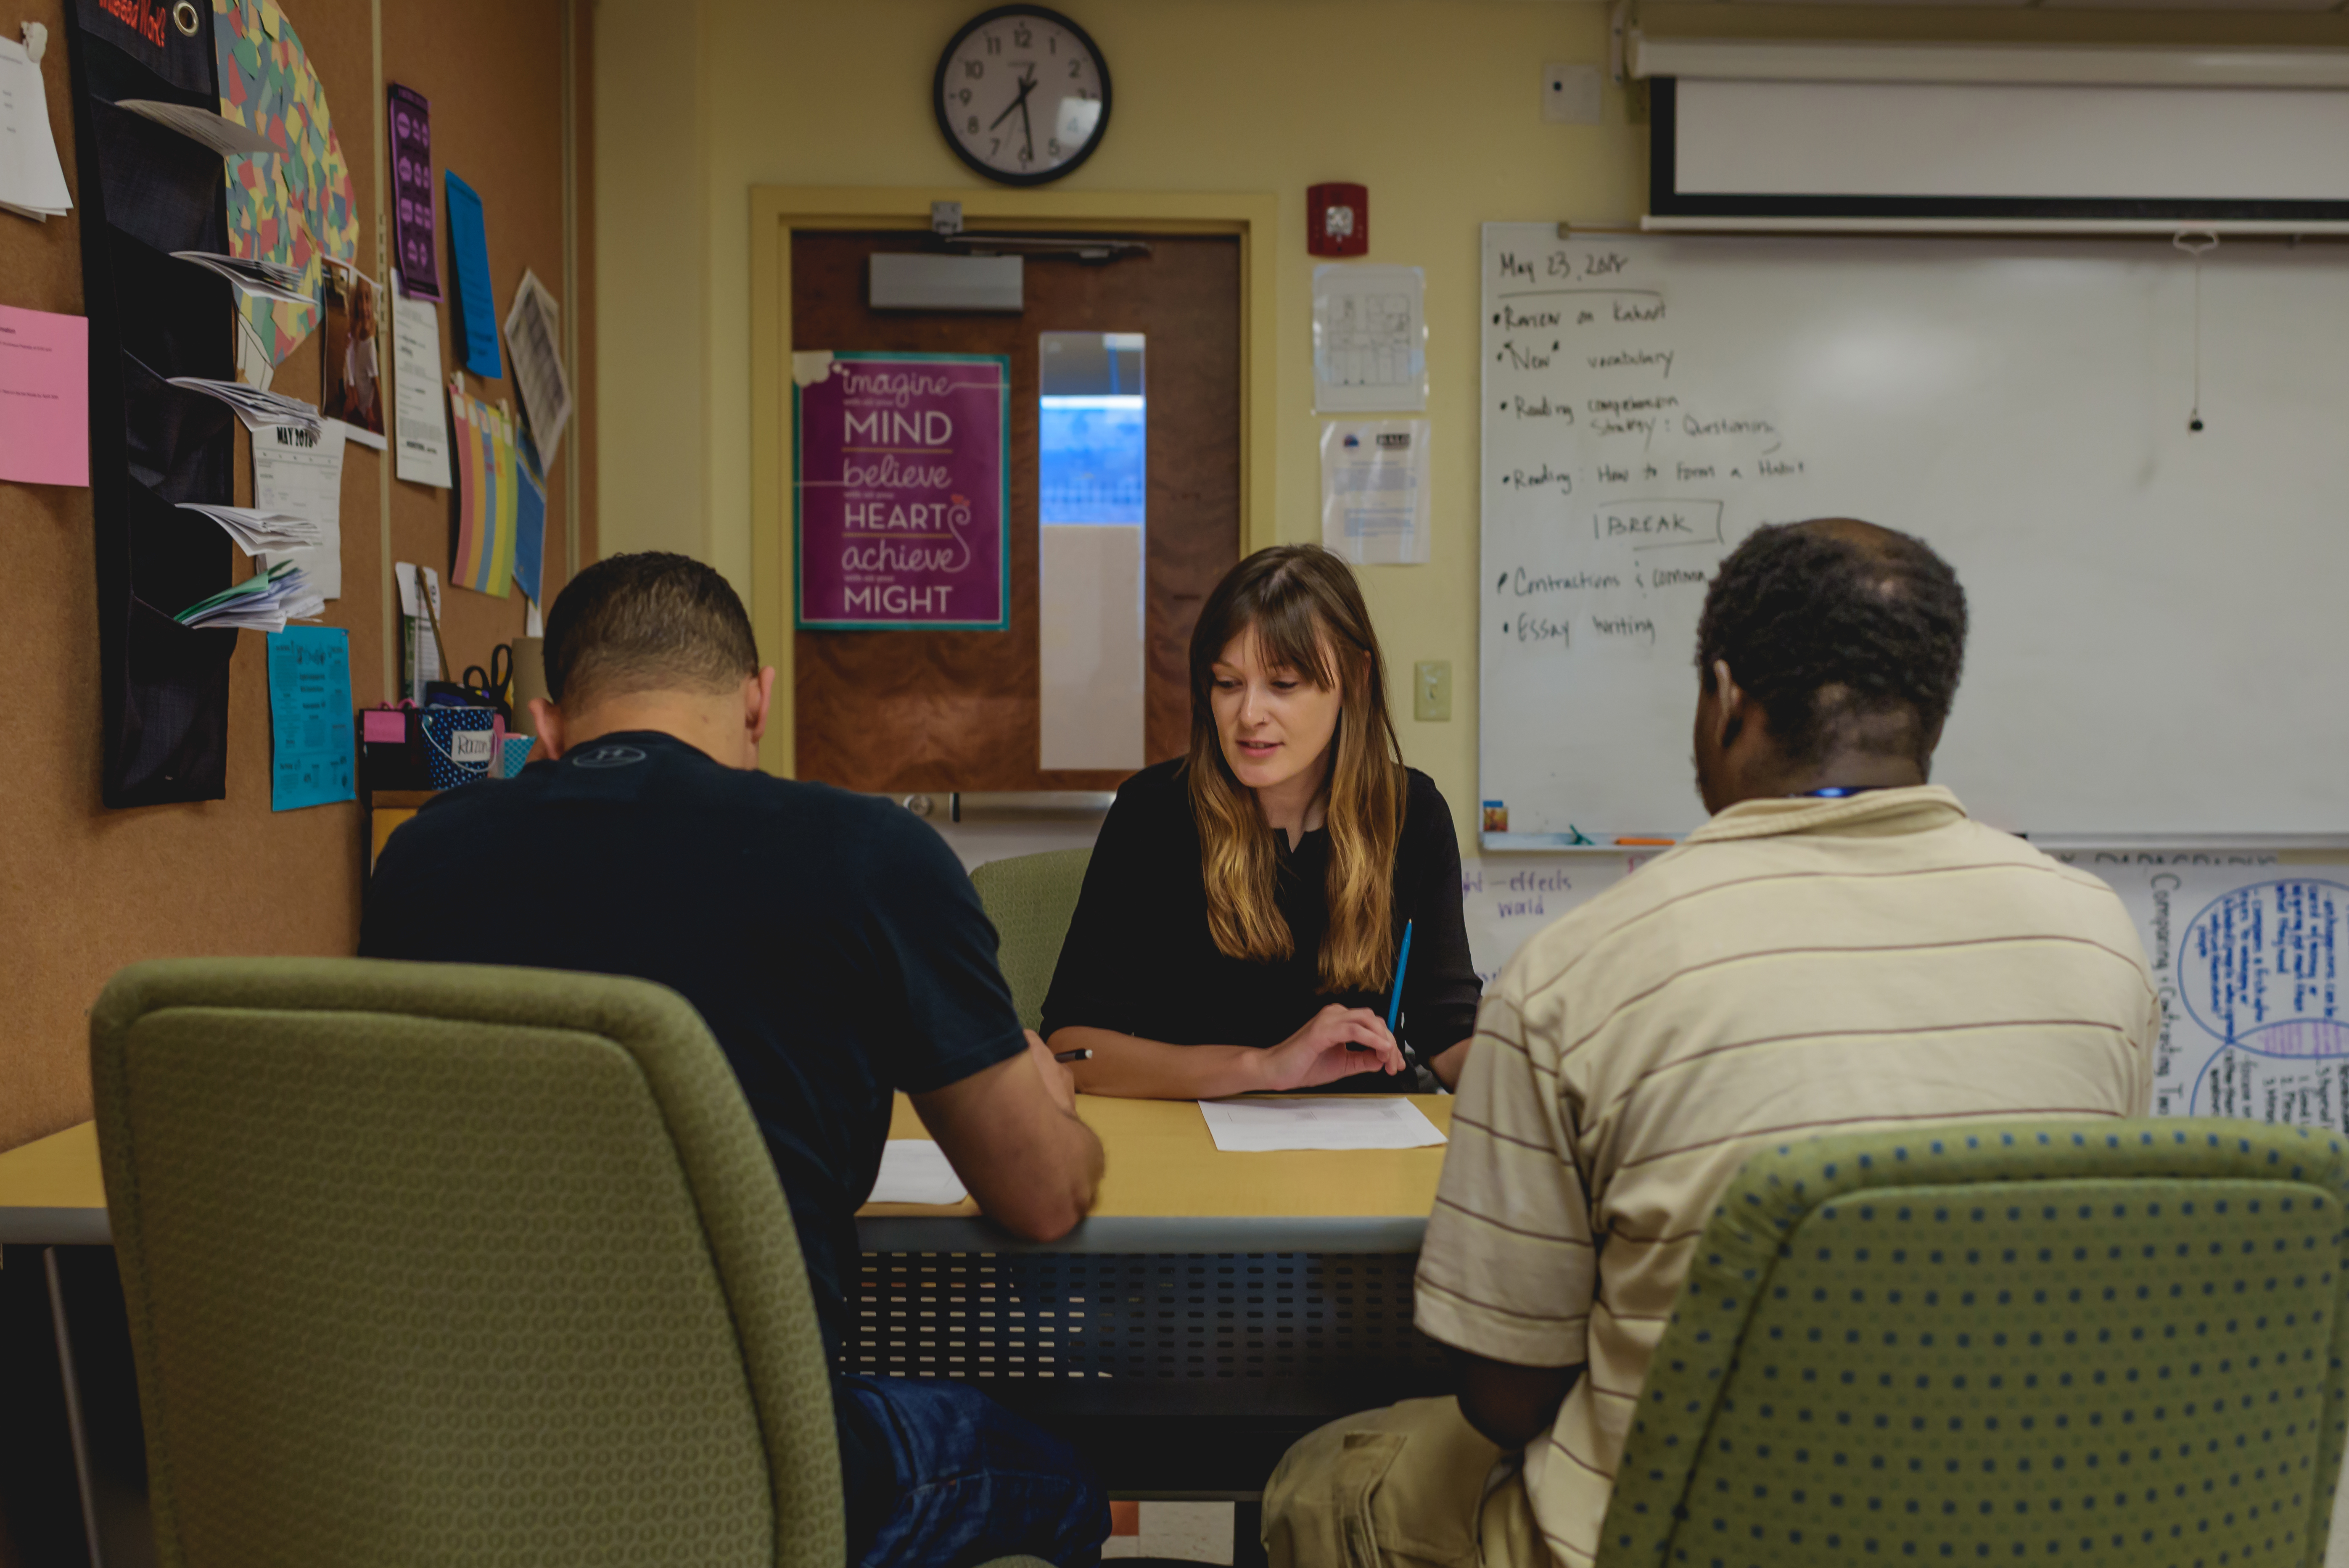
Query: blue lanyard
1840,791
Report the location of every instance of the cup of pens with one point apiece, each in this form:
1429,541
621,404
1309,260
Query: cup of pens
456,745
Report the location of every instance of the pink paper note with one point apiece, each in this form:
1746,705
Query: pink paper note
44,398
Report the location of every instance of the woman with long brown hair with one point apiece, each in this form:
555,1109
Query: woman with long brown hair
1243,912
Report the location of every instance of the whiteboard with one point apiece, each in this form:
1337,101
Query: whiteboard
2157,616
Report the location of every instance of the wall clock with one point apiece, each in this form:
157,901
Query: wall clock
1022,94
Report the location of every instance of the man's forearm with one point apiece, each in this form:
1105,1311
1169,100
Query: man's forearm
1511,1405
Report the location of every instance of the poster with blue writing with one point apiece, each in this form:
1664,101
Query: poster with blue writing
901,492
310,717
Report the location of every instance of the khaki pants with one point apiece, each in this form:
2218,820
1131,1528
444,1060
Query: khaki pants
1412,1486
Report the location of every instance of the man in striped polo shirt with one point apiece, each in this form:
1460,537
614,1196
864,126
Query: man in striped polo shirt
1838,948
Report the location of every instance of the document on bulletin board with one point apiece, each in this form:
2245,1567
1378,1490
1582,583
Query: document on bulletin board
300,473
1369,339
310,740
1374,490
421,421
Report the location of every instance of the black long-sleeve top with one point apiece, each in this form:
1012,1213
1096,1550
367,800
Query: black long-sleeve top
1140,958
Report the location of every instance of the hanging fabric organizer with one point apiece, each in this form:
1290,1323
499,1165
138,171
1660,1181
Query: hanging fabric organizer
146,191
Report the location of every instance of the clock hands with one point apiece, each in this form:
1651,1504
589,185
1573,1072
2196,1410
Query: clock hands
1026,86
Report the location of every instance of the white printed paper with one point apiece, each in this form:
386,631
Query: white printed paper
1334,1121
1375,495
915,1171
301,473
533,333
1369,339
221,134
32,181
420,415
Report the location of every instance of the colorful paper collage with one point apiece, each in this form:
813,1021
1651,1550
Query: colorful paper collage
487,505
295,208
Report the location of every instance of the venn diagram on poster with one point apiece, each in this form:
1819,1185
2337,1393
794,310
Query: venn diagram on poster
2259,974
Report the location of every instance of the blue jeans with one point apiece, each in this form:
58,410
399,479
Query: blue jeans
975,1482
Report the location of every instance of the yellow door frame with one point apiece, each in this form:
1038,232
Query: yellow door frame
777,209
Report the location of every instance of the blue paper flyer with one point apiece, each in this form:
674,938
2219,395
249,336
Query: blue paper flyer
310,717
477,313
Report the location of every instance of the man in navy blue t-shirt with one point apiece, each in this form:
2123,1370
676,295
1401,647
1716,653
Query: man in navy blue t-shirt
836,950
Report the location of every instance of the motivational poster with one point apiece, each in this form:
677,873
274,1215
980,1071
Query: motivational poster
902,490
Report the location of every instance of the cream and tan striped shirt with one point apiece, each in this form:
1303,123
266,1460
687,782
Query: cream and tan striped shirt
1796,967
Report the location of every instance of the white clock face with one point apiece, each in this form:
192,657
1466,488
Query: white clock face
1023,96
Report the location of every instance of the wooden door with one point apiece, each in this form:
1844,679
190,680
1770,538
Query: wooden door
938,711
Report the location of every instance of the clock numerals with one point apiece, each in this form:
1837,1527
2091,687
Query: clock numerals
974,69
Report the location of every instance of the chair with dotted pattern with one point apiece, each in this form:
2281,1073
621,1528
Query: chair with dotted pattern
2097,1344
455,1266
1031,899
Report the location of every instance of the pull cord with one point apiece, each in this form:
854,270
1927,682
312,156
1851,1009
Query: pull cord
2197,243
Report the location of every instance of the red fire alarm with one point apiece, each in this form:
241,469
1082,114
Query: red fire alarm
1338,221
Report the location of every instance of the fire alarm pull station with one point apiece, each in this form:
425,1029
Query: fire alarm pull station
1338,221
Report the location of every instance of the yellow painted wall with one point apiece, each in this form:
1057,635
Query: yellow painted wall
1432,104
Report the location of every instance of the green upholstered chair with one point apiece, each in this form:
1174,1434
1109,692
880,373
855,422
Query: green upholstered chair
450,1265
1031,899
2082,1343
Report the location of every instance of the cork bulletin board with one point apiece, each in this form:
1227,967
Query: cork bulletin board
83,889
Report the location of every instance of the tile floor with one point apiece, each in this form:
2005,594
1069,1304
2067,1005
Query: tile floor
1193,1532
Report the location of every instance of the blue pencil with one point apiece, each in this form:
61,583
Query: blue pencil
1403,961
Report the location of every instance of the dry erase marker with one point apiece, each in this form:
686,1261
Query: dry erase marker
1073,1056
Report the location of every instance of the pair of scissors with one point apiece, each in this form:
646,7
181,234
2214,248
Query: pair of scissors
497,681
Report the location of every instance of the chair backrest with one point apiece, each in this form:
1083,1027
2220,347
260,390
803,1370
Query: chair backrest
2093,1343
455,1266
1031,899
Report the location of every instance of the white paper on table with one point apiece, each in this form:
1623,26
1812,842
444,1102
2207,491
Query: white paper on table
419,416
915,1171
32,181
301,473
1333,1122
1369,339
532,329
1376,499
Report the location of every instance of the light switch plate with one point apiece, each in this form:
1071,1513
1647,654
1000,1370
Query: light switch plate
1430,690
1570,94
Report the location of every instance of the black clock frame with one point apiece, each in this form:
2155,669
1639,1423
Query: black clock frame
946,123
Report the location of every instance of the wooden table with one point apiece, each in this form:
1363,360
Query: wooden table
1167,1188
1166,1184
1211,1309
51,1192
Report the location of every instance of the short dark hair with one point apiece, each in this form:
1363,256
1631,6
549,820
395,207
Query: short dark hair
1845,633
646,622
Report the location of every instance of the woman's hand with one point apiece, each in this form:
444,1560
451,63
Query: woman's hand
1317,1053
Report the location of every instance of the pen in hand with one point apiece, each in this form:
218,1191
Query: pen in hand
1394,995
1073,1056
